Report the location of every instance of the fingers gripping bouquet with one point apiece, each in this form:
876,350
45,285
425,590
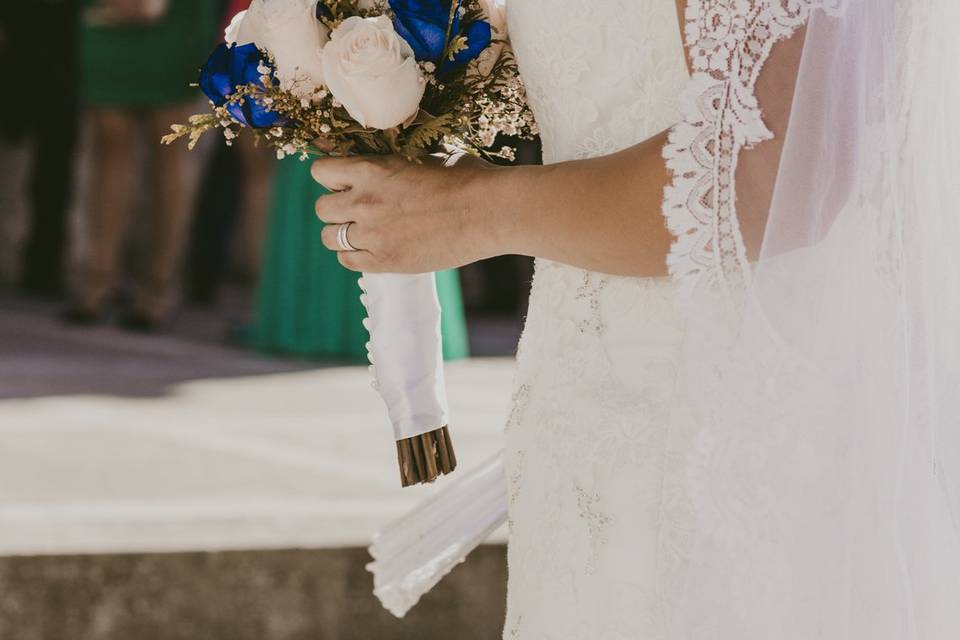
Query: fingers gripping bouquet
375,77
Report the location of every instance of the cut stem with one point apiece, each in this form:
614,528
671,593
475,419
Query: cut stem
425,457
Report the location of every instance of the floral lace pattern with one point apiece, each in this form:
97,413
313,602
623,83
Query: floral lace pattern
600,76
589,458
589,440
728,42
600,443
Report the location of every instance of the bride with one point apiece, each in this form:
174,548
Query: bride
736,407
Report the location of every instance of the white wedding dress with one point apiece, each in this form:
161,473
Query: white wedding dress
597,518
755,448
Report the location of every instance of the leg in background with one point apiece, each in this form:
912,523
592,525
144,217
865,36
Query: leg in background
258,167
175,180
51,188
215,221
51,42
112,190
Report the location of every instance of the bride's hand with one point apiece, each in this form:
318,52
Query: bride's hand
602,214
406,217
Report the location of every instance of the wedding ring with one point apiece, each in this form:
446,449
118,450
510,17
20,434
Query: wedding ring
342,241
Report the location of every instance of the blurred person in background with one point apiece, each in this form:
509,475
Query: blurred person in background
139,58
230,224
38,132
307,303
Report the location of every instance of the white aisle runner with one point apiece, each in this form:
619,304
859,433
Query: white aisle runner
300,459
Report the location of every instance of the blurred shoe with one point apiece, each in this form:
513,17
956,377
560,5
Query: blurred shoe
139,321
82,316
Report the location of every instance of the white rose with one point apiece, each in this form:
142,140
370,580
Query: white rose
290,32
496,14
372,72
232,33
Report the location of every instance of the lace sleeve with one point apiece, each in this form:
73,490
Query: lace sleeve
728,42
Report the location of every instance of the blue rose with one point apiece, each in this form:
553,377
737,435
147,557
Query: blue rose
478,36
424,25
230,67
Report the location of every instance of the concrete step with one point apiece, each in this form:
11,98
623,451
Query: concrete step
239,595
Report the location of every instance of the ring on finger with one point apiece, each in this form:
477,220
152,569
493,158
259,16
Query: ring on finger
342,241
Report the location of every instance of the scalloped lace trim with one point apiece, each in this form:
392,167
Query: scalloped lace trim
728,42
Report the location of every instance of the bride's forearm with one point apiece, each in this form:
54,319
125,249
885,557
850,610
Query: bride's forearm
602,214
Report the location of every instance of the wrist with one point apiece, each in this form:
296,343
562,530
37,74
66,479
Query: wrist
482,193
496,197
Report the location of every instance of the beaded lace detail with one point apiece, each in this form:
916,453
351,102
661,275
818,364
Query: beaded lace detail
728,42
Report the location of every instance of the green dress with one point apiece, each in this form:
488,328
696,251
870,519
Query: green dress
307,303
149,65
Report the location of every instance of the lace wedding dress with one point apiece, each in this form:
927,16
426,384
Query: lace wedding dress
596,514
753,448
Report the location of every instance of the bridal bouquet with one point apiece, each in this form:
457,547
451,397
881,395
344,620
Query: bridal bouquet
354,77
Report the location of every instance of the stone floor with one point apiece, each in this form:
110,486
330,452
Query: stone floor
251,595
202,478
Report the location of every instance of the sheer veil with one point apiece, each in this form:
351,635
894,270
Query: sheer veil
822,487
815,454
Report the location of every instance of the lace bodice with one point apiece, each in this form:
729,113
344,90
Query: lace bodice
600,76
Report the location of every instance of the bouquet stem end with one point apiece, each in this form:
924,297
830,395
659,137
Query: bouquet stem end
425,457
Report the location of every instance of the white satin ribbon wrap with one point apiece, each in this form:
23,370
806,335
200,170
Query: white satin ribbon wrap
412,554
406,350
